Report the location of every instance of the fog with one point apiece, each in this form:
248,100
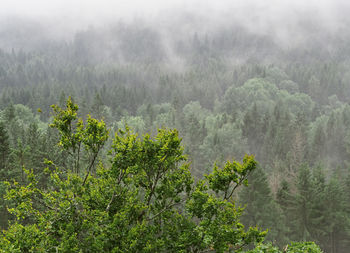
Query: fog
270,26
282,19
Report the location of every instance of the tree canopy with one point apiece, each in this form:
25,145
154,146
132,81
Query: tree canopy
144,199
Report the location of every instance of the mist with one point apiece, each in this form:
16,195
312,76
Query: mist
289,24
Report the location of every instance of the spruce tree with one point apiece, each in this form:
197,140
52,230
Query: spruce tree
4,153
260,206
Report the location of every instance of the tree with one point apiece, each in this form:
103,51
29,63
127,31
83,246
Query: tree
4,148
303,204
76,137
337,227
294,247
260,207
286,201
4,153
145,201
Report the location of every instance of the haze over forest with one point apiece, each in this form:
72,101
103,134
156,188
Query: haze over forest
288,24
267,78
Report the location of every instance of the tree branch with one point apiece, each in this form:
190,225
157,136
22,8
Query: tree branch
235,187
89,168
163,210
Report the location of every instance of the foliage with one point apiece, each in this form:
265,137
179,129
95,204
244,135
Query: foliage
294,247
289,109
300,247
145,201
75,136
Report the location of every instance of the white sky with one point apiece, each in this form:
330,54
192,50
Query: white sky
126,8
75,14
87,8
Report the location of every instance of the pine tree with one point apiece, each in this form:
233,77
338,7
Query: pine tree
4,149
336,218
260,207
303,201
285,201
4,153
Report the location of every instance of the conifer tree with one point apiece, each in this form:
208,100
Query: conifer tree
260,206
4,153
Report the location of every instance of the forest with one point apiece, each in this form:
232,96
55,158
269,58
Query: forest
259,160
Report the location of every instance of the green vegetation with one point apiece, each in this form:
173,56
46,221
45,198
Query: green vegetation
291,111
145,200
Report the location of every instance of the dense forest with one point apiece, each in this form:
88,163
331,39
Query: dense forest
228,92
